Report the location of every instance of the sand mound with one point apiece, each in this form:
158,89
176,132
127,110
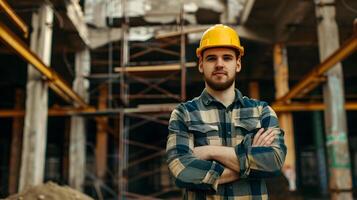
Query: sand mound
49,191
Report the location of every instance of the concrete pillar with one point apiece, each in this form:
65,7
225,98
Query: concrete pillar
34,138
77,146
340,181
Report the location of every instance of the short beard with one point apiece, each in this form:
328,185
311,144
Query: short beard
220,86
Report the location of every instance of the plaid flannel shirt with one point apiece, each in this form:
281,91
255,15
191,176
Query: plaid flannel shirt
205,121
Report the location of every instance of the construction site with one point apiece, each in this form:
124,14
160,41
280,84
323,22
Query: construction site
88,87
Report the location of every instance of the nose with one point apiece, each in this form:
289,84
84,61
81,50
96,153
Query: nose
219,63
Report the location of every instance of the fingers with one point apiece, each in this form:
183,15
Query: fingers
265,138
260,140
256,137
268,140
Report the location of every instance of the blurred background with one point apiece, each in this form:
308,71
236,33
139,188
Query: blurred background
87,88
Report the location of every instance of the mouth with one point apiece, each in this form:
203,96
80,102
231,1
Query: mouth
219,73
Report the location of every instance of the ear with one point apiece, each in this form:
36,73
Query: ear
200,65
239,65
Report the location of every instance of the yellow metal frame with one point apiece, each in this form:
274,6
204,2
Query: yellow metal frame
14,17
316,75
296,107
56,83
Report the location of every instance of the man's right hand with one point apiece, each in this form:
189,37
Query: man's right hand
264,138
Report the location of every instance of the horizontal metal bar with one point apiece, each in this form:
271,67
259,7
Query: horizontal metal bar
91,111
298,107
154,68
14,17
56,82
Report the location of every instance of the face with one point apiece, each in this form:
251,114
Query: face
219,67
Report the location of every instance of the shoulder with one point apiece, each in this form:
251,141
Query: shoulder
190,105
251,103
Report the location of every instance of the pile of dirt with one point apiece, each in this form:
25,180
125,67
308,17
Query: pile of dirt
49,191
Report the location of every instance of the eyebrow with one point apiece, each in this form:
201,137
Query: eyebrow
224,55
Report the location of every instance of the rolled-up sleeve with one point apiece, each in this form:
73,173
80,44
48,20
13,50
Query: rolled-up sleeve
264,161
188,171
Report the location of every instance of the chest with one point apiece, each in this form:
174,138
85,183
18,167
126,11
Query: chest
223,127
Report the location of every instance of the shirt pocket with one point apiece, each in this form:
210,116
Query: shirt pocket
205,134
247,122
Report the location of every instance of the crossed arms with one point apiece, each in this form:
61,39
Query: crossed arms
227,156
208,166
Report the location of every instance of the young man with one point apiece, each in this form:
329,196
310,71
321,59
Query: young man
222,145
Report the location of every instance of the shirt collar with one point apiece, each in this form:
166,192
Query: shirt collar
207,98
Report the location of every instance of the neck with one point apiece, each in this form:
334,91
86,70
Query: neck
226,97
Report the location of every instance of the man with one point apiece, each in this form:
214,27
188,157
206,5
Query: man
222,145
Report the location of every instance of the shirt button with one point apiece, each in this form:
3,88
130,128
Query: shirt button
229,132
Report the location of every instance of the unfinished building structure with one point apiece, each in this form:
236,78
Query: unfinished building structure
88,87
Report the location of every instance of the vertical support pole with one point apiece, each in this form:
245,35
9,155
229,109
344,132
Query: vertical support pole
124,54
77,148
34,141
340,181
65,152
320,151
16,142
122,182
102,137
123,146
182,56
254,90
281,70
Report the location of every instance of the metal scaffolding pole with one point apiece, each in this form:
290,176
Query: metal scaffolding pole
183,56
14,17
123,121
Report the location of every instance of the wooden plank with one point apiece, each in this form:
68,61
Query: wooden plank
254,90
34,142
16,143
102,136
339,164
286,120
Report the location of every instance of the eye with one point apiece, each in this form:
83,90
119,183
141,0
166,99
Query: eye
210,58
227,58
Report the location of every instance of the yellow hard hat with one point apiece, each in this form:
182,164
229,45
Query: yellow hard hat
219,36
